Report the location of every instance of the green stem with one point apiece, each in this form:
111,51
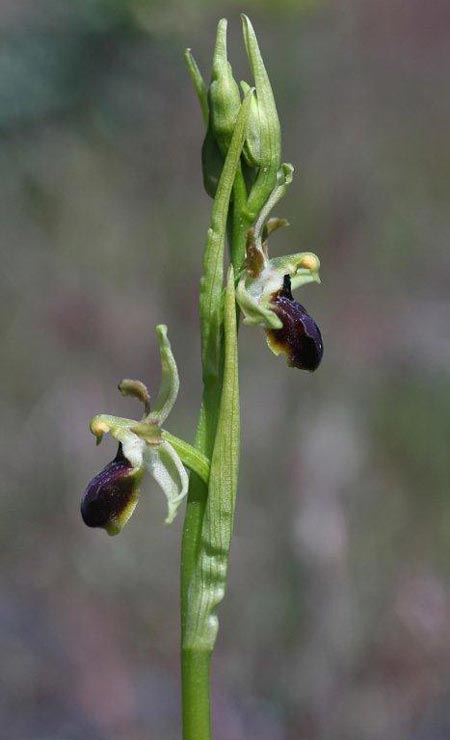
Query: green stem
195,677
211,332
209,579
240,222
211,284
195,661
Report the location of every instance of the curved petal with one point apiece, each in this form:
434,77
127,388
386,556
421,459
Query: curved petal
164,465
284,179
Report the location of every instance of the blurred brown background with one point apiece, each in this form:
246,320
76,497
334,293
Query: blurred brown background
336,622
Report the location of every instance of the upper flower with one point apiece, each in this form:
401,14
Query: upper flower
111,496
264,295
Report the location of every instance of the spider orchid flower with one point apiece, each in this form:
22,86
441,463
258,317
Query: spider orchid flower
111,496
264,294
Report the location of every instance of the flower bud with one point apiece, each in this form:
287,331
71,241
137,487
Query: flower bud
252,146
111,496
212,163
299,338
224,96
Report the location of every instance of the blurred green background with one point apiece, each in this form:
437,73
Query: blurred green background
336,622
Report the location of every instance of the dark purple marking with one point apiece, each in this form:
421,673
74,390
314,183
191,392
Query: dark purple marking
109,492
299,338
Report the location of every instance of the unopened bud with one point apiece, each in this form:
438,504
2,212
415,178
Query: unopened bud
212,163
252,147
224,96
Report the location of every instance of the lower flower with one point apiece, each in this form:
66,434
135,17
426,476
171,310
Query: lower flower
111,497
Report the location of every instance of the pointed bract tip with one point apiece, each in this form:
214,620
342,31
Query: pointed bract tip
161,330
220,49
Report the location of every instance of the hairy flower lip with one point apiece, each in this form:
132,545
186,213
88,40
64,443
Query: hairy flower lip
299,338
111,496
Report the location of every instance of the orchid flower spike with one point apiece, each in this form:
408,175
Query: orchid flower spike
111,496
264,294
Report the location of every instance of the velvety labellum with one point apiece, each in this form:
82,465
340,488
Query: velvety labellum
111,496
299,338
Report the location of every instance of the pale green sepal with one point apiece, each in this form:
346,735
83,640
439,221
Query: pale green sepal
164,465
170,382
256,243
208,583
284,178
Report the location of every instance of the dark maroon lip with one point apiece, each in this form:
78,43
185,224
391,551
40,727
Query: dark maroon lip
299,338
108,493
